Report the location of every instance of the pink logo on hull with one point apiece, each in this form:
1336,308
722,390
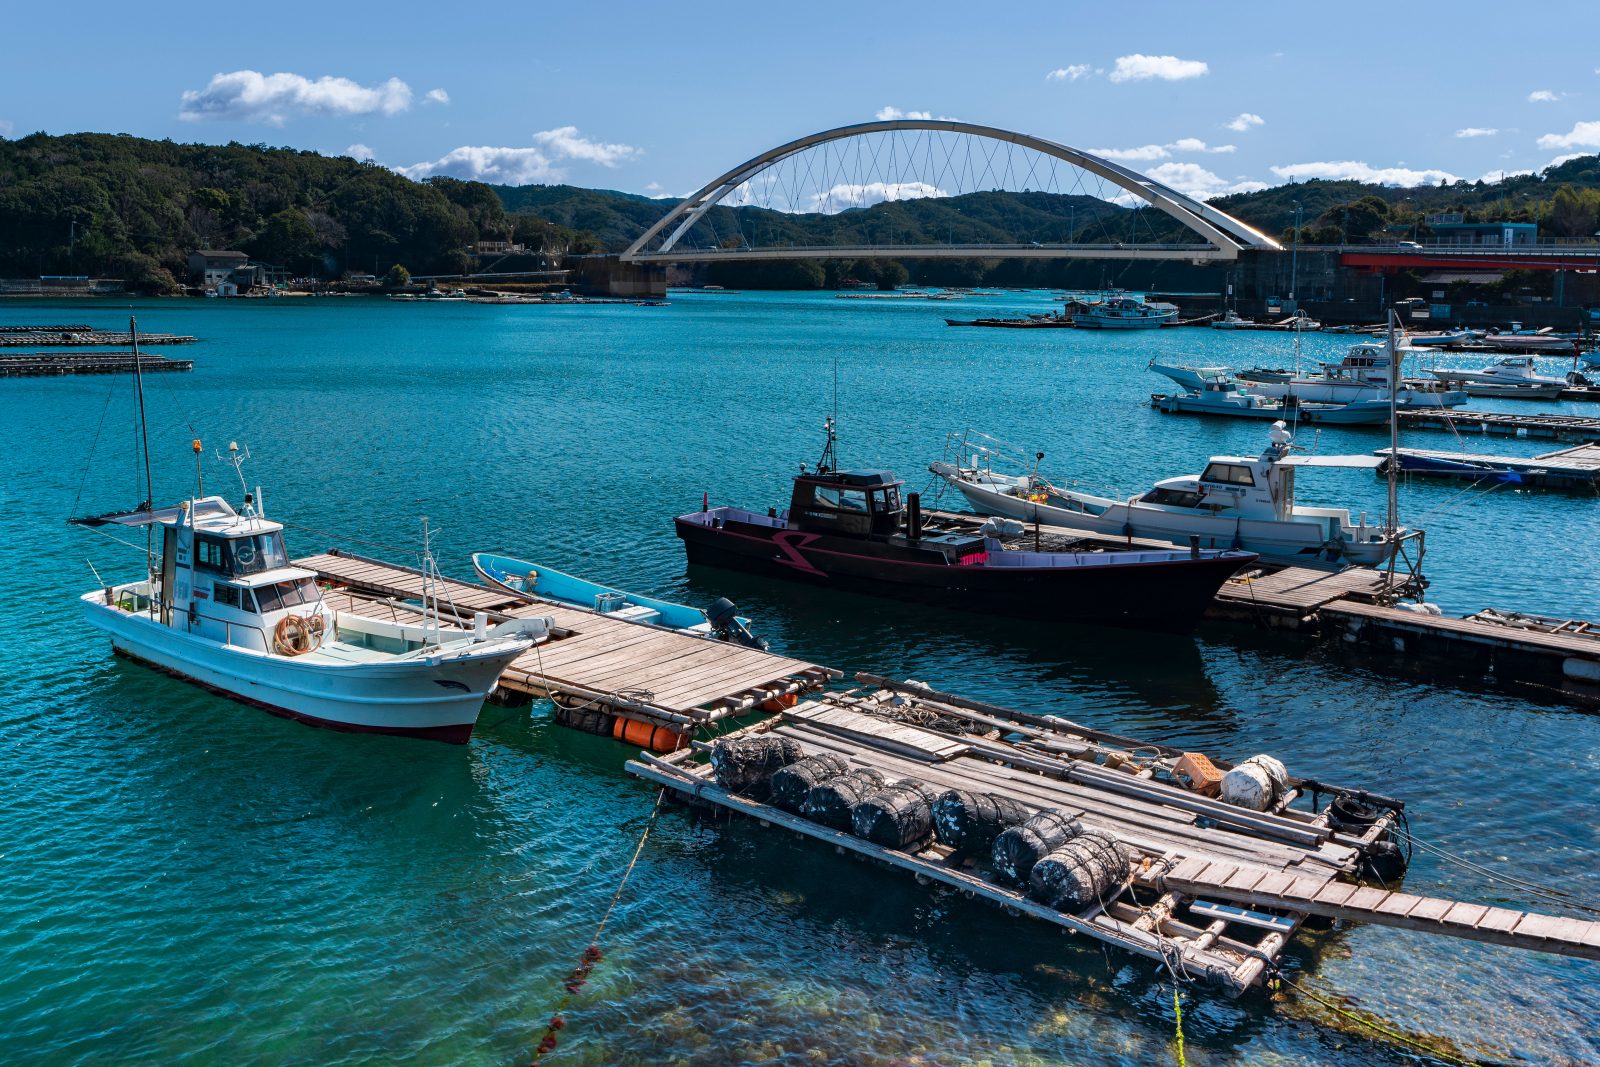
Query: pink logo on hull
789,543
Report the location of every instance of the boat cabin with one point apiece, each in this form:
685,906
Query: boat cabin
223,575
850,503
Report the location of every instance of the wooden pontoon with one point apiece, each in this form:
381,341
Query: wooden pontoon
647,672
1216,891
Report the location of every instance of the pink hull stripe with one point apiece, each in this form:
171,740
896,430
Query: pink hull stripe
458,734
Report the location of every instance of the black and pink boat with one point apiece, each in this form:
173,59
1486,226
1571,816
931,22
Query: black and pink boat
851,530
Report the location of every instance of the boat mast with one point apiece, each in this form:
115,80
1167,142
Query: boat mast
1393,520
144,446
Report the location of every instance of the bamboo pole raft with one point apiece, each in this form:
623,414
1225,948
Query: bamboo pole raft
46,364
1212,890
78,336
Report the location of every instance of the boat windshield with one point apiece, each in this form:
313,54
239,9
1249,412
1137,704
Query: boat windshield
1172,498
240,555
842,499
286,594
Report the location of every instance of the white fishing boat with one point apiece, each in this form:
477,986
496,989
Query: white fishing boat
1362,375
1237,502
1512,376
1232,321
222,606
1215,391
1544,341
1124,313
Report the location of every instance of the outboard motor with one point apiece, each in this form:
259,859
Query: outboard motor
726,625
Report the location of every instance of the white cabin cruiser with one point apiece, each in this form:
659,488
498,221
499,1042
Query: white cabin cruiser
224,608
1362,375
1236,502
1510,376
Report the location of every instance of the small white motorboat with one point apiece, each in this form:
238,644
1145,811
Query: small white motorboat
1362,375
1238,502
1215,391
1512,376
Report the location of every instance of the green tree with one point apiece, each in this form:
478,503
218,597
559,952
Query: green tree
397,278
288,240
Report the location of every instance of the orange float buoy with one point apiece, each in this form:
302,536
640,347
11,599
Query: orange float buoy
787,700
647,735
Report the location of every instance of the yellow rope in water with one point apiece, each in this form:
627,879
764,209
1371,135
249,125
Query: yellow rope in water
1177,1014
1393,1035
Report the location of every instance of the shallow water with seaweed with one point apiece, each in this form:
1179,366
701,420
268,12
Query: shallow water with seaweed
188,877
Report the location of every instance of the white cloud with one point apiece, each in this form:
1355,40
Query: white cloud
843,197
565,143
436,96
250,96
1144,153
1582,135
1244,120
1568,158
1070,73
1501,175
1361,172
1477,131
359,151
1168,68
501,166
6,127
1195,180
523,166
1544,96
889,113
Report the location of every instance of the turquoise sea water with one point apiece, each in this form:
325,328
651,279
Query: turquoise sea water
185,877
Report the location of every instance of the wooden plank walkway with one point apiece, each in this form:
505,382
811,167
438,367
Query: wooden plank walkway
637,667
1480,631
1553,427
1301,589
1341,900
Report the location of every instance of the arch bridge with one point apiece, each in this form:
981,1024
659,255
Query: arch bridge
824,175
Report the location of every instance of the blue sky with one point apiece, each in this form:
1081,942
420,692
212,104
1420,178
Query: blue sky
657,99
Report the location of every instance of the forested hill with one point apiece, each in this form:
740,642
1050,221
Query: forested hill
120,206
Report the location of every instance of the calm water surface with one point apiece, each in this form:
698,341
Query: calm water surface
187,877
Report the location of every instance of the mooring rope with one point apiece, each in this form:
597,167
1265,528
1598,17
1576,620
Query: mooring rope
1374,1025
592,954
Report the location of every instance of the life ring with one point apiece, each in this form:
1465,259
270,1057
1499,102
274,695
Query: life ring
295,635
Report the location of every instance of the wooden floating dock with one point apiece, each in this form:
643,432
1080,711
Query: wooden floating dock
633,669
1575,469
82,336
1553,427
45,364
1215,890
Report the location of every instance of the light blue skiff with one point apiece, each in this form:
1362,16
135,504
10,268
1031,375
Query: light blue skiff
538,581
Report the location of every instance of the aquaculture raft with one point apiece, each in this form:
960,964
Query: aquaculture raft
1214,890
606,666
82,336
46,364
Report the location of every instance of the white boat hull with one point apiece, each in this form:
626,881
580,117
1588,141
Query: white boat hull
438,697
1302,542
1330,392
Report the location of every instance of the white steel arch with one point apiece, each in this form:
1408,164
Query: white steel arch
1226,235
